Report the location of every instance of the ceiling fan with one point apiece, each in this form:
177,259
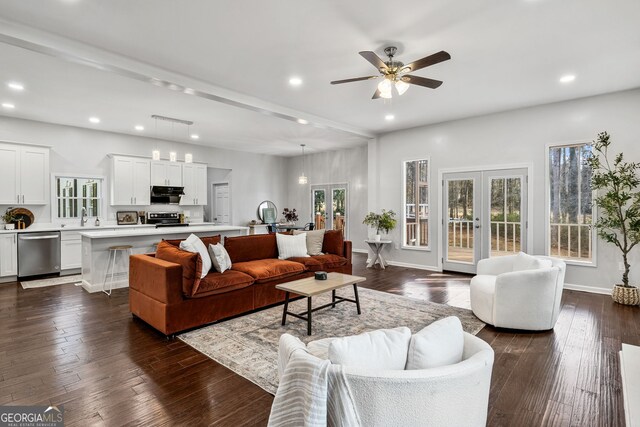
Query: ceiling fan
395,73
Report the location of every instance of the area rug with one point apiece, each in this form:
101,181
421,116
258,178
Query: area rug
248,345
52,281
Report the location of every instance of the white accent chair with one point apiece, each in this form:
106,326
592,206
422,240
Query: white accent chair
518,291
452,395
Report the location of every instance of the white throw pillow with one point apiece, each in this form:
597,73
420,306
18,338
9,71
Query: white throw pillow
219,258
382,349
439,344
291,246
525,262
195,245
315,238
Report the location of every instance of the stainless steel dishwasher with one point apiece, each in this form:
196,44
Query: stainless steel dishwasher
38,253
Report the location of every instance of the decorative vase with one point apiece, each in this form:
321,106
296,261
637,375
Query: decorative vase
9,226
627,295
377,238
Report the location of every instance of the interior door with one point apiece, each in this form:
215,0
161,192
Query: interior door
485,215
329,206
221,204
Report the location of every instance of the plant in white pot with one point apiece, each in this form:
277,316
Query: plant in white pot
384,221
618,198
8,219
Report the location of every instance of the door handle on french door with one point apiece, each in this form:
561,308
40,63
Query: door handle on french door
477,226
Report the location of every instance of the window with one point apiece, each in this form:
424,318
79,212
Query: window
74,193
415,218
570,233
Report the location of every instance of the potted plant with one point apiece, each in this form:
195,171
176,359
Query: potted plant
290,216
616,183
384,221
8,219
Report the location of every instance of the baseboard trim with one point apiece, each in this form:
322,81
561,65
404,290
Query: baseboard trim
589,289
97,287
360,251
416,266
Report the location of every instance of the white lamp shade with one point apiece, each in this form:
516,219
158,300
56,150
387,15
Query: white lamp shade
155,154
173,156
188,158
401,87
385,88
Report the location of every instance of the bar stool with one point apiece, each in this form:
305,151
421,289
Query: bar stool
114,250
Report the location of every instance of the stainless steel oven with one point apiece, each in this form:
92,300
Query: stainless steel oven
38,253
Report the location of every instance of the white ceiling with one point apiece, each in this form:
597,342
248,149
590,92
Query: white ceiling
505,55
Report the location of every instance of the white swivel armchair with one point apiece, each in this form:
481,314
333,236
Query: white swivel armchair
518,291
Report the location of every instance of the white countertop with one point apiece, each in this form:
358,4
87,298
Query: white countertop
192,228
90,227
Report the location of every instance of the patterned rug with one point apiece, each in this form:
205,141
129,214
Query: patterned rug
248,345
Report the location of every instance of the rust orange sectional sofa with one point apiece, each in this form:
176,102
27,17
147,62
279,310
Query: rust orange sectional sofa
165,289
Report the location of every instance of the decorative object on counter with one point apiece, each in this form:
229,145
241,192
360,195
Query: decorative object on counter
24,216
142,215
267,204
290,215
617,187
8,219
97,222
127,217
384,221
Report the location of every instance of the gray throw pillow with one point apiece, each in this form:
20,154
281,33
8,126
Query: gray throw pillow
314,241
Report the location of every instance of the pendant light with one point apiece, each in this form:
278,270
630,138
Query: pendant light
302,179
155,154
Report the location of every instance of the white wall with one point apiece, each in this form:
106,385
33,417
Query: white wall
518,136
343,166
84,151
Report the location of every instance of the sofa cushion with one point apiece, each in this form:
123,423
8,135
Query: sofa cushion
329,261
290,246
195,245
310,263
263,270
333,242
207,240
191,264
314,240
219,258
251,248
439,344
218,283
384,349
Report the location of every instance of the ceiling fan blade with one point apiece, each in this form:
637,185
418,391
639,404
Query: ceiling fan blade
422,81
374,59
426,61
377,94
357,79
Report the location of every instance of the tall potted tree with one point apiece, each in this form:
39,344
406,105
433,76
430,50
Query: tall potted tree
616,183
384,221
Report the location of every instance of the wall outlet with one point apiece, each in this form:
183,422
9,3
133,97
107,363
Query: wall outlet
621,266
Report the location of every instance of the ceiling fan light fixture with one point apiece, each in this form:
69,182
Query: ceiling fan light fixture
385,88
401,87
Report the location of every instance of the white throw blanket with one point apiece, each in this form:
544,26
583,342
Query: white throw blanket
308,395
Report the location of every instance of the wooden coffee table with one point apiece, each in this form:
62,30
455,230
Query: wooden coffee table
310,287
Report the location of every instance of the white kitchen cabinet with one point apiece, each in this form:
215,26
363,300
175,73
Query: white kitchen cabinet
166,173
70,250
8,254
194,180
130,181
24,173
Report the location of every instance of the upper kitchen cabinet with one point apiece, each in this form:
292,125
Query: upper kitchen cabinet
130,181
24,173
166,173
194,180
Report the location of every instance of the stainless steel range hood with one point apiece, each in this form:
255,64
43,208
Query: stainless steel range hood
166,195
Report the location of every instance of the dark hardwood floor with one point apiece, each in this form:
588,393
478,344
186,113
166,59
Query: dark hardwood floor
61,345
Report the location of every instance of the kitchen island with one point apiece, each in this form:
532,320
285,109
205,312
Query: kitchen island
96,244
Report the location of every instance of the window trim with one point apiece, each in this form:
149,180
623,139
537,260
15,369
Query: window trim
403,224
547,206
54,195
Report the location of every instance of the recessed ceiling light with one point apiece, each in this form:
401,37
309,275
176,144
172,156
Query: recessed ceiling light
295,81
15,86
195,136
567,78
94,120
303,121
389,117
139,128
8,106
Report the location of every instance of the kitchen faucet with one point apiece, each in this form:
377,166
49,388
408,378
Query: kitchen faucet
84,219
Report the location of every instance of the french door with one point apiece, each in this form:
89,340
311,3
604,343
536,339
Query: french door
484,215
329,207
